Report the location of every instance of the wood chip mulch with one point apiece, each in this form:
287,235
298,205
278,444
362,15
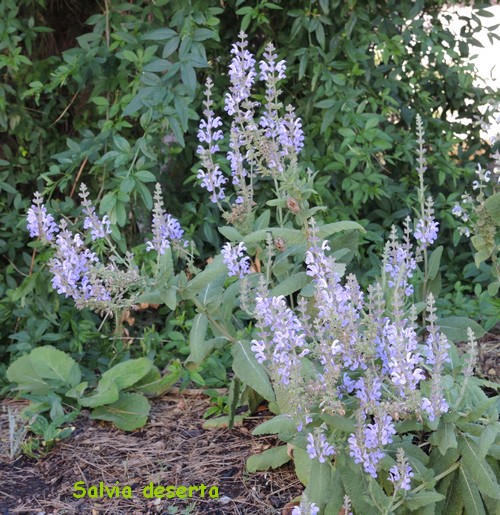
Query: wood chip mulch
172,449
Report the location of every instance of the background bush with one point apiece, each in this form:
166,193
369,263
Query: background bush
107,93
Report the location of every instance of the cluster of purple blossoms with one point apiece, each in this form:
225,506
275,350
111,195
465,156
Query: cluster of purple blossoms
209,133
71,267
40,224
401,358
399,264
98,228
237,263
426,231
365,445
400,474
318,446
165,227
242,75
305,508
282,338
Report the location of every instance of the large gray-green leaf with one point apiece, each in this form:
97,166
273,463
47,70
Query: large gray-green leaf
215,269
290,285
478,468
250,371
197,344
127,373
270,458
106,393
320,488
51,363
470,494
276,425
444,437
129,412
455,328
22,372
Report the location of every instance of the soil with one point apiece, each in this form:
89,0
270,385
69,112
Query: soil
173,449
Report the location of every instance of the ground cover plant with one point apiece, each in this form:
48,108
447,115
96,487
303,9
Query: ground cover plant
378,410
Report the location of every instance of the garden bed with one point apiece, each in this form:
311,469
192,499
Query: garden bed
173,449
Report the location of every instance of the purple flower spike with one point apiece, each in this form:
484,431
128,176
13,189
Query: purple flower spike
40,224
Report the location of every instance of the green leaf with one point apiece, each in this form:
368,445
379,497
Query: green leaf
478,468
279,424
199,347
250,371
354,486
302,464
344,424
434,262
106,393
51,363
215,269
444,437
455,328
327,230
129,412
492,205
420,499
145,176
269,459
290,285
230,233
153,383
319,489
159,34
453,503
22,372
121,376
470,494
128,373
487,438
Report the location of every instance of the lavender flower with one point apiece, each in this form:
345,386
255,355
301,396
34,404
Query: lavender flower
400,343
242,75
318,447
165,227
399,262
282,338
401,473
366,444
40,223
71,267
426,230
233,258
210,174
98,228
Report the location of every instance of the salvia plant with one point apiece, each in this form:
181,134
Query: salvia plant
378,410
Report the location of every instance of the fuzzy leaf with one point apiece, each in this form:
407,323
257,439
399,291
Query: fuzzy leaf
478,468
444,437
270,458
319,489
250,371
455,328
470,494
276,425
434,262
290,285
129,412
421,499
51,363
22,372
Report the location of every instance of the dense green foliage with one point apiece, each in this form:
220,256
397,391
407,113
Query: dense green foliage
111,98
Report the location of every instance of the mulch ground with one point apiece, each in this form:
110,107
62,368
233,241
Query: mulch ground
173,449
